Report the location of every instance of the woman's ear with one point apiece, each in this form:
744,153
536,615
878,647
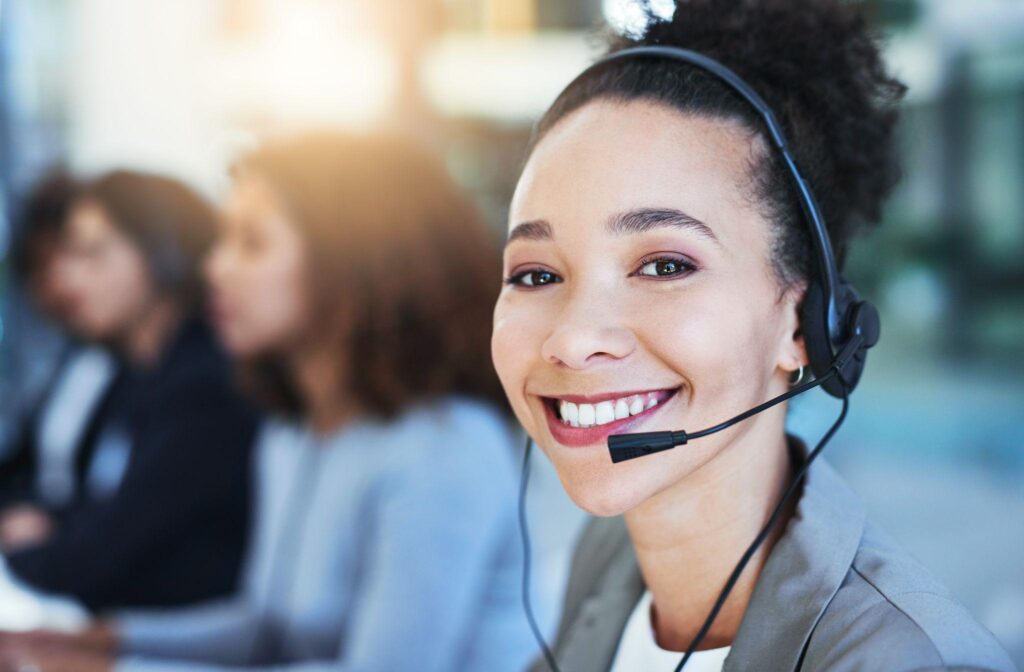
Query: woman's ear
793,350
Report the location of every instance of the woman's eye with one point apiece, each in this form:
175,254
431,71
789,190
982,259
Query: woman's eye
535,278
664,267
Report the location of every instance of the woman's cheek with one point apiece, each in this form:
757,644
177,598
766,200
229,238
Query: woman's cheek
698,338
511,351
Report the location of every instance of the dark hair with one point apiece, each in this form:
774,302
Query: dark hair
399,258
41,219
818,67
171,225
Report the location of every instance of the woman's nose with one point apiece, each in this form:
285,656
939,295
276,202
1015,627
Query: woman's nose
586,334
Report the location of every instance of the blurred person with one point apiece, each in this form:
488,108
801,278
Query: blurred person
661,274
160,507
354,282
38,239
37,462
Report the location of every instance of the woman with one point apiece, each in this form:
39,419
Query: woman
160,501
656,265
63,379
355,283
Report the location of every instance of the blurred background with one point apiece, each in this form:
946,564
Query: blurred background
934,442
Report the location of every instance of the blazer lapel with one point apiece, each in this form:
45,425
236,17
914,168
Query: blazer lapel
802,574
592,639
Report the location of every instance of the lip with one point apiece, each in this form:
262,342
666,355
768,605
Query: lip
577,437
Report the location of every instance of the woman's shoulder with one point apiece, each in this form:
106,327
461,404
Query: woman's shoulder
449,442
891,613
456,414
852,599
452,428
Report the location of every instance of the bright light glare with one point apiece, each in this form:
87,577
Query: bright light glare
628,16
511,78
308,71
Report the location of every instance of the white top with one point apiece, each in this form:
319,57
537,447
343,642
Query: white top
66,413
638,649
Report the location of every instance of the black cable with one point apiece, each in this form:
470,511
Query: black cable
776,514
765,406
524,533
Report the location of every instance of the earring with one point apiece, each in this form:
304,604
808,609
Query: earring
799,377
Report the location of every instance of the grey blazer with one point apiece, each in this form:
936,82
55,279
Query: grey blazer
835,594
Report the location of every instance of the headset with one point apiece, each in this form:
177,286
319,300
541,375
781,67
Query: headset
837,325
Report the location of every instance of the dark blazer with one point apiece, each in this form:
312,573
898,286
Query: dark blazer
173,530
18,465
835,595
18,461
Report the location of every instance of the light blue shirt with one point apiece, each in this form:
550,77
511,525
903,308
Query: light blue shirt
387,546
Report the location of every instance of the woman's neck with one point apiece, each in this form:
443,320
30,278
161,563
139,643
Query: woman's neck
689,537
319,376
144,343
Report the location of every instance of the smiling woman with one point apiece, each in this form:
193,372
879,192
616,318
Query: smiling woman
657,264
628,288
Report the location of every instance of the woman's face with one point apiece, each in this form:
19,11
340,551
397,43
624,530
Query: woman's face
257,274
102,276
641,297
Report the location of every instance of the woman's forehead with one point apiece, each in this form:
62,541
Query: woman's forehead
610,157
89,217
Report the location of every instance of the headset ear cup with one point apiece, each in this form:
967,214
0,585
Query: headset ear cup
814,325
856,316
862,319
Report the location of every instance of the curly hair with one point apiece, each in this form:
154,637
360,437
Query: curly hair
817,65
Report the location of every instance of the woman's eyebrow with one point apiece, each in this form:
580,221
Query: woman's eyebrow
645,219
635,221
538,229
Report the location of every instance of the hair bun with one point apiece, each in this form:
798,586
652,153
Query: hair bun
819,67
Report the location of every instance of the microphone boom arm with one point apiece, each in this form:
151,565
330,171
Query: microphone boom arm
630,446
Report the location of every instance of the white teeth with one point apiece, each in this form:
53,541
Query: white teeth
636,406
571,414
587,415
604,412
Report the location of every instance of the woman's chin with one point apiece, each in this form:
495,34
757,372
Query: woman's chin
240,344
603,494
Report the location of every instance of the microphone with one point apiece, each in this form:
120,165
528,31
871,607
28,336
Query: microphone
625,447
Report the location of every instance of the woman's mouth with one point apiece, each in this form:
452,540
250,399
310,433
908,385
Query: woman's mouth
582,421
